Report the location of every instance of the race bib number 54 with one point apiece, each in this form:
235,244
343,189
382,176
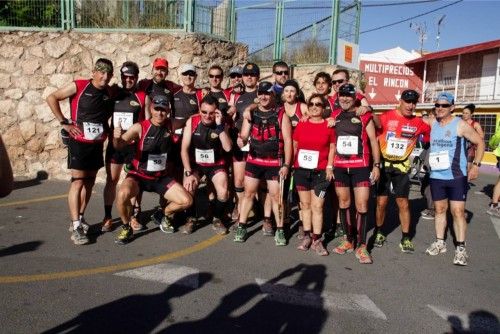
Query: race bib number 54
347,145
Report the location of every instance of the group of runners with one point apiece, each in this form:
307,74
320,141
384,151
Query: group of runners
253,142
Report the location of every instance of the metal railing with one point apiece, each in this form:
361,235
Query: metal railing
213,17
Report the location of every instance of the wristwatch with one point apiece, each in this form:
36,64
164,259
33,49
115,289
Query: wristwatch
188,173
65,121
377,164
478,164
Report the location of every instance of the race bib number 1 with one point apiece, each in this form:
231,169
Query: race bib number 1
123,119
347,145
397,146
308,159
92,131
204,156
157,162
439,160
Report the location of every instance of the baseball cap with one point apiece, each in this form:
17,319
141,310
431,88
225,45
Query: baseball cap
410,95
187,67
292,83
251,68
161,101
130,69
347,90
446,96
265,87
236,70
160,63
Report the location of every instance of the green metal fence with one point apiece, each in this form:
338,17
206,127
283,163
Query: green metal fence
214,17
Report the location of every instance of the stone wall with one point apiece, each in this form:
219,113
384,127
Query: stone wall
35,64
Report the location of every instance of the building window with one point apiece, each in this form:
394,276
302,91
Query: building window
447,73
488,123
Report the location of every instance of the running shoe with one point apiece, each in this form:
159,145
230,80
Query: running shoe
219,227
136,225
300,233
107,225
125,235
157,217
319,248
240,234
379,240
267,227
279,237
79,237
427,214
166,225
188,227
83,224
461,256
437,247
344,247
406,246
306,242
494,211
363,256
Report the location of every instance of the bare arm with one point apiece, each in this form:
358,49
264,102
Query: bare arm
120,139
226,142
186,142
466,131
6,176
370,131
245,132
479,130
303,109
53,100
286,133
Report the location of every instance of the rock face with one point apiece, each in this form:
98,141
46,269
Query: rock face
34,65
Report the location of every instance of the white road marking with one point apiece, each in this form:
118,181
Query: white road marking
460,321
165,273
340,301
496,224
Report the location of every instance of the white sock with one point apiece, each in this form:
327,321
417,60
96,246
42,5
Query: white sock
76,223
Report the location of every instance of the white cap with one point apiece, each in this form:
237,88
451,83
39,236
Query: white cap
187,67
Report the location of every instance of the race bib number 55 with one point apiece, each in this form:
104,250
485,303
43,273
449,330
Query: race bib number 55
308,159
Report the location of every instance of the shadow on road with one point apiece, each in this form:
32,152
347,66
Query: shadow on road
480,322
40,176
131,314
284,308
20,248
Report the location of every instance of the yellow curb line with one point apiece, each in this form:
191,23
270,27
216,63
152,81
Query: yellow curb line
35,200
117,267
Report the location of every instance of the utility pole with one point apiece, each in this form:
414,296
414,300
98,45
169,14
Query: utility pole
439,31
421,30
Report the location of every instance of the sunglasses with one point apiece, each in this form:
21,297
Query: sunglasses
218,76
189,74
444,105
410,101
161,109
334,82
282,72
234,75
161,102
315,104
250,75
204,112
346,94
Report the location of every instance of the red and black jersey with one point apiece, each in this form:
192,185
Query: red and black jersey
133,103
206,148
151,156
245,99
91,109
351,139
266,140
296,117
334,103
186,105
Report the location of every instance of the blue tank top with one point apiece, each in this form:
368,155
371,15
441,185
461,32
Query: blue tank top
446,142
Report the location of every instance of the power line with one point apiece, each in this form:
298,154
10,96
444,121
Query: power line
410,18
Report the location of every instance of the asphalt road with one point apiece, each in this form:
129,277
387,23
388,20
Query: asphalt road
205,283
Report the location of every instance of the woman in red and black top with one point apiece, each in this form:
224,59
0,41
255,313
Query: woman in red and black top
313,151
355,145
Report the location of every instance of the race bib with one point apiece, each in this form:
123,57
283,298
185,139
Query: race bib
347,145
308,159
157,162
245,148
439,160
204,156
123,119
92,131
178,131
397,146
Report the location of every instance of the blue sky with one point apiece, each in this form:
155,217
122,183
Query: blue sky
466,22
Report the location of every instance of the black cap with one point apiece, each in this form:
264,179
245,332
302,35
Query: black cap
410,95
129,68
251,68
265,87
347,90
292,83
161,101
